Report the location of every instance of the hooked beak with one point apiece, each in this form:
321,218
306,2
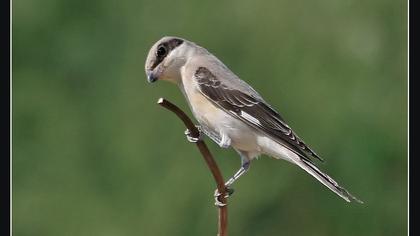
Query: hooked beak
151,77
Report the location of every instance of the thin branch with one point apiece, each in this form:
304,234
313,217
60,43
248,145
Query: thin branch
217,175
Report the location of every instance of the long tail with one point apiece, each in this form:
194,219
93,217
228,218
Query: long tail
326,180
280,152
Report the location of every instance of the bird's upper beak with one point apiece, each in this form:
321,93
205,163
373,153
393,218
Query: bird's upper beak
151,76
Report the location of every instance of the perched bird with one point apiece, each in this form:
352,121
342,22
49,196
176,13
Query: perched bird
229,110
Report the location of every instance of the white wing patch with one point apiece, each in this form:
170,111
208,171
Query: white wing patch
250,118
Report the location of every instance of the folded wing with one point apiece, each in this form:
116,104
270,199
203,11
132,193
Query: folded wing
251,110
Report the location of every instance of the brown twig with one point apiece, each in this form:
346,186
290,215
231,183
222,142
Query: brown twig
217,175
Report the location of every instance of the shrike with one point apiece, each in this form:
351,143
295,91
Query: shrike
230,111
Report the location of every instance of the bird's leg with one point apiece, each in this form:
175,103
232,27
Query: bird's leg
244,168
192,139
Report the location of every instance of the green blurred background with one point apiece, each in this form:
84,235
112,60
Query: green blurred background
94,155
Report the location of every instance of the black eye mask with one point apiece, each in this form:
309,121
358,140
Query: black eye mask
164,49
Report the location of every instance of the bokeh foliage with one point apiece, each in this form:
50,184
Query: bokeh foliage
94,155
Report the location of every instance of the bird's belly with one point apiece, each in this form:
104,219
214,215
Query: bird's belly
242,136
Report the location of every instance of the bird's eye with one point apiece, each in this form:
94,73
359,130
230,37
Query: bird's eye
161,51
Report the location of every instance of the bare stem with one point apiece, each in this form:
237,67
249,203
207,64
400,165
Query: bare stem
208,157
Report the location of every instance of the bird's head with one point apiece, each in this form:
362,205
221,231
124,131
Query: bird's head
165,58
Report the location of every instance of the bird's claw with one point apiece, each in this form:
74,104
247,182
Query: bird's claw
217,194
192,139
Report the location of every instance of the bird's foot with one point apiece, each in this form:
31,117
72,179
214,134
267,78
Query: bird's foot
217,195
191,138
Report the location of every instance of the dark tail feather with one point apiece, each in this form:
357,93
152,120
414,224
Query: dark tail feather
326,180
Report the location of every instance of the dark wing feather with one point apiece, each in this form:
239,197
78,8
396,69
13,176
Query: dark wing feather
252,111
